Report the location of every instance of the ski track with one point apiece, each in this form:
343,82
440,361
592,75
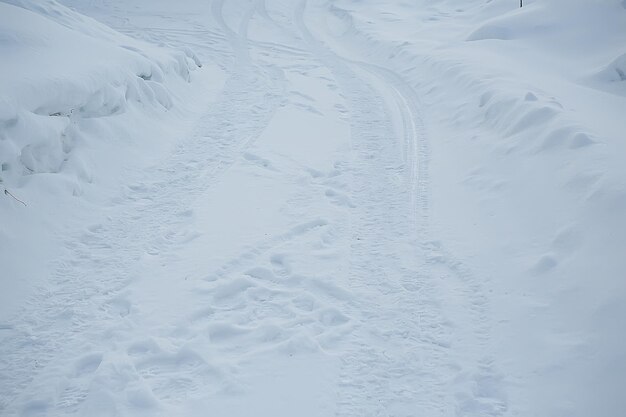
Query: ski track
399,343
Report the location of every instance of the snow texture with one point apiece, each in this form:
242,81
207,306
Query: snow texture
312,208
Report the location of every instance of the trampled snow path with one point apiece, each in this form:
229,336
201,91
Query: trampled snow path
340,281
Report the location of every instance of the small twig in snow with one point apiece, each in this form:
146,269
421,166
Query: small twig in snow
7,192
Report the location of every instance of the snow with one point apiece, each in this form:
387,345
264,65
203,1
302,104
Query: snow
313,208
76,109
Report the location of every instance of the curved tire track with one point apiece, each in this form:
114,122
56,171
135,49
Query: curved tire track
397,361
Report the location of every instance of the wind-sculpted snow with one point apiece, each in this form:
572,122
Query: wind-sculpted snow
612,78
66,74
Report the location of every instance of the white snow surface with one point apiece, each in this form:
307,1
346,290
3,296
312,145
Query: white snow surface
313,208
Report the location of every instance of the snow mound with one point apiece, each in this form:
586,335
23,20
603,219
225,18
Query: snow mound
527,22
80,106
491,31
616,71
62,70
612,78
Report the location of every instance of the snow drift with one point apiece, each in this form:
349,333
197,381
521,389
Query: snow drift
78,102
70,69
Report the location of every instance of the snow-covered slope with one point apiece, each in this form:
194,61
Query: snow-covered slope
79,103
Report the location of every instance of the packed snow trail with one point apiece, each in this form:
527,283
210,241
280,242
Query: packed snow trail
279,260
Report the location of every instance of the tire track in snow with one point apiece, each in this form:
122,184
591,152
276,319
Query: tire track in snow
238,44
442,383
416,145
39,352
488,396
399,353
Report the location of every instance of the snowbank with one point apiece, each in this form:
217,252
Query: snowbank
79,105
54,76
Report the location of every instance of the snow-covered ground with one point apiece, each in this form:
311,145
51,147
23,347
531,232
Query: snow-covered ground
313,208
79,106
